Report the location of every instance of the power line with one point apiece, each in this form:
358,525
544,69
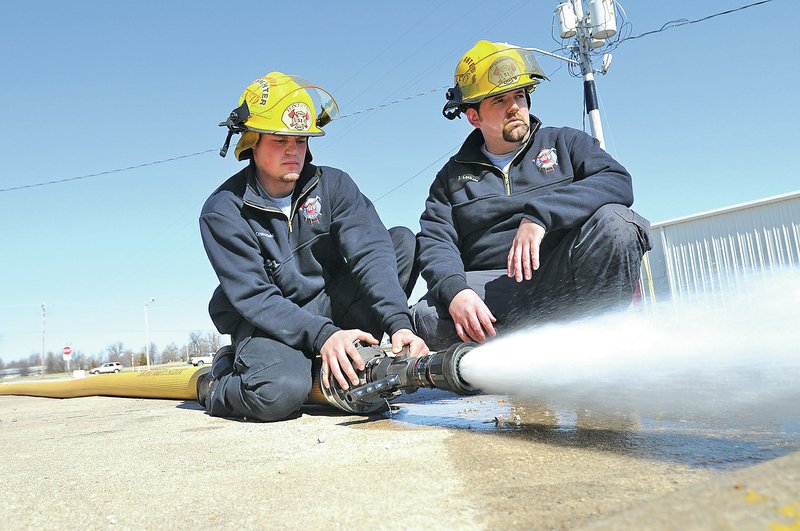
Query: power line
426,168
190,155
666,26
682,21
389,103
143,165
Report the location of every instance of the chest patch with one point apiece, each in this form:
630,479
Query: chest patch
311,209
546,160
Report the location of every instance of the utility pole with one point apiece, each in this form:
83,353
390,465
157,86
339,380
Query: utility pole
590,29
41,361
147,333
589,89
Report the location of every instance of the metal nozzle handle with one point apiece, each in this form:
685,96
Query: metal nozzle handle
373,389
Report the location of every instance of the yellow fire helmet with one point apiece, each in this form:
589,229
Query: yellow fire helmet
488,69
278,104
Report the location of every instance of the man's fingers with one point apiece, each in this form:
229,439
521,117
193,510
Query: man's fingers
325,374
462,334
346,374
352,352
535,257
369,338
526,261
337,373
418,348
486,323
519,259
476,330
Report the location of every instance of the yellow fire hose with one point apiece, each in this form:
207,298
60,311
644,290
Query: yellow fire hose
383,378
177,384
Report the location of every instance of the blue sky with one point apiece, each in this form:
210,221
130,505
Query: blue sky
701,115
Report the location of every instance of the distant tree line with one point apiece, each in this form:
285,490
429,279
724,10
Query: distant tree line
198,345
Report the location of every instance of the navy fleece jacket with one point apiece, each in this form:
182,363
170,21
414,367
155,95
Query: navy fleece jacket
559,179
269,265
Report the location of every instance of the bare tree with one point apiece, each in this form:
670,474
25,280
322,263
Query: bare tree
155,357
115,351
214,341
196,346
54,363
171,353
129,354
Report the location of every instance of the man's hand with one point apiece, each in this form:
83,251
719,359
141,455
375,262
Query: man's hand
523,257
335,353
472,317
405,337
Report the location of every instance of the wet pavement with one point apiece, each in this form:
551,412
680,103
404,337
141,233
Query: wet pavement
437,461
714,443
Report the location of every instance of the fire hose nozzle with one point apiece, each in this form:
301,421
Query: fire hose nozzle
384,378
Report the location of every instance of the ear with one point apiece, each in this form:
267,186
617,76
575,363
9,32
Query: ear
473,117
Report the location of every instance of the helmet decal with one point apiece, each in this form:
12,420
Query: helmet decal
463,78
503,71
264,91
297,116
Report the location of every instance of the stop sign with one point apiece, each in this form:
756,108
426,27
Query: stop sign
67,352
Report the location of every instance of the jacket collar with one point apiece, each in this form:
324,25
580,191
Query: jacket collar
470,152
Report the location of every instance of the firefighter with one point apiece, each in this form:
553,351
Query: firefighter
305,266
526,223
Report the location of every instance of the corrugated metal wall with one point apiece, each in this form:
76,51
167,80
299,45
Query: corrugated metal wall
716,250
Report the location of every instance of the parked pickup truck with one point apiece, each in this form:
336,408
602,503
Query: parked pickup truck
201,360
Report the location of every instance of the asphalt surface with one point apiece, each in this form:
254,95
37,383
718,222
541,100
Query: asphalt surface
437,462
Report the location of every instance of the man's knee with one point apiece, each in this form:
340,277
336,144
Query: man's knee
405,249
619,228
403,238
278,398
433,324
273,379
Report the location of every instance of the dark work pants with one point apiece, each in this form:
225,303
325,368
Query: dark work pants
595,268
270,380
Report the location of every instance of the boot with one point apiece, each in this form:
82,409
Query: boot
221,365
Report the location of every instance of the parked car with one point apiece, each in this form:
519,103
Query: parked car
201,360
113,366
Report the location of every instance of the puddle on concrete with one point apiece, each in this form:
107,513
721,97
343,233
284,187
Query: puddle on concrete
719,444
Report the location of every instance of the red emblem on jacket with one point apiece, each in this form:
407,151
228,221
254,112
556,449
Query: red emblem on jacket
547,160
311,209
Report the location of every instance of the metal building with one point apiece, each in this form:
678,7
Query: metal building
716,250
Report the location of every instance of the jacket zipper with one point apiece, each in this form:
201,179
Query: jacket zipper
506,180
279,211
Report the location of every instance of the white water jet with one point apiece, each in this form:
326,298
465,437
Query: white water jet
722,355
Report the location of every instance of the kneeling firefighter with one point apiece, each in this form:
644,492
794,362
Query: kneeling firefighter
305,265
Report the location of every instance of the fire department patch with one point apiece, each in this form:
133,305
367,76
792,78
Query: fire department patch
297,116
311,209
546,160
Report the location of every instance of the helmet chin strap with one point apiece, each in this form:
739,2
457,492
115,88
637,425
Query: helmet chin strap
234,123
